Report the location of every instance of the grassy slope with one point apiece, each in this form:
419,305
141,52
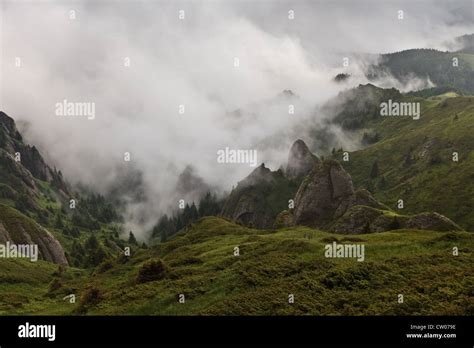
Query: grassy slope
443,186
418,264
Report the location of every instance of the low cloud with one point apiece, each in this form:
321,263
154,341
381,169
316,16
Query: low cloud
225,64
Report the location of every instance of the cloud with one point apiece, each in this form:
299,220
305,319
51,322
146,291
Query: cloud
190,62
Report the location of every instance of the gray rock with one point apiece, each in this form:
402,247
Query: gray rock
362,219
300,160
326,199
20,229
431,221
324,195
248,203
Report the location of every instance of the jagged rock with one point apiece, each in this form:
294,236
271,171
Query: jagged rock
257,200
20,229
300,160
11,142
324,195
326,199
262,195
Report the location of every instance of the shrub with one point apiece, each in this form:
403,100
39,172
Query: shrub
152,270
104,266
54,285
89,298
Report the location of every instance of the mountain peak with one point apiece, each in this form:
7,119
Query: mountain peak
300,160
8,124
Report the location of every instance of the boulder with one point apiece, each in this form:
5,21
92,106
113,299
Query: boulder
17,228
284,219
324,195
362,219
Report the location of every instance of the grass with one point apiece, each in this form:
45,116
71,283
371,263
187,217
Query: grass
430,180
272,264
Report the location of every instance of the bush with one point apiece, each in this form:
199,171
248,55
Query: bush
152,270
54,285
104,266
89,298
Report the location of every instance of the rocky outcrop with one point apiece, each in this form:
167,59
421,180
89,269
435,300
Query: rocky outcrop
326,199
257,200
30,160
324,195
17,228
363,219
262,195
431,221
300,160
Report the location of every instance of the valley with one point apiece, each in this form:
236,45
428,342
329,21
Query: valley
337,231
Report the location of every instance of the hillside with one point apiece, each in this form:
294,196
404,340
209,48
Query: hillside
200,263
38,199
414,159
401,158
429,64
263,194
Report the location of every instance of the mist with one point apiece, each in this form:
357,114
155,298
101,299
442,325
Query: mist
172,91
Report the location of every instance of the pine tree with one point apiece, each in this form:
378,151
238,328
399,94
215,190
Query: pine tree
59,221
91,243
374,172
194,215
132,239
164,237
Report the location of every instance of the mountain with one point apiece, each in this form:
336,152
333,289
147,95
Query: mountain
300,160
359,107
23,169
453,69
35,207
257,200
465,43
334,199
18,229
23,177
415,160
261,196
326,199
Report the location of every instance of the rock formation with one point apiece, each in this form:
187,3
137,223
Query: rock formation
300,160
17,228
326,199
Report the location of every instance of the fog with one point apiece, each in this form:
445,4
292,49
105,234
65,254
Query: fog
192,62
